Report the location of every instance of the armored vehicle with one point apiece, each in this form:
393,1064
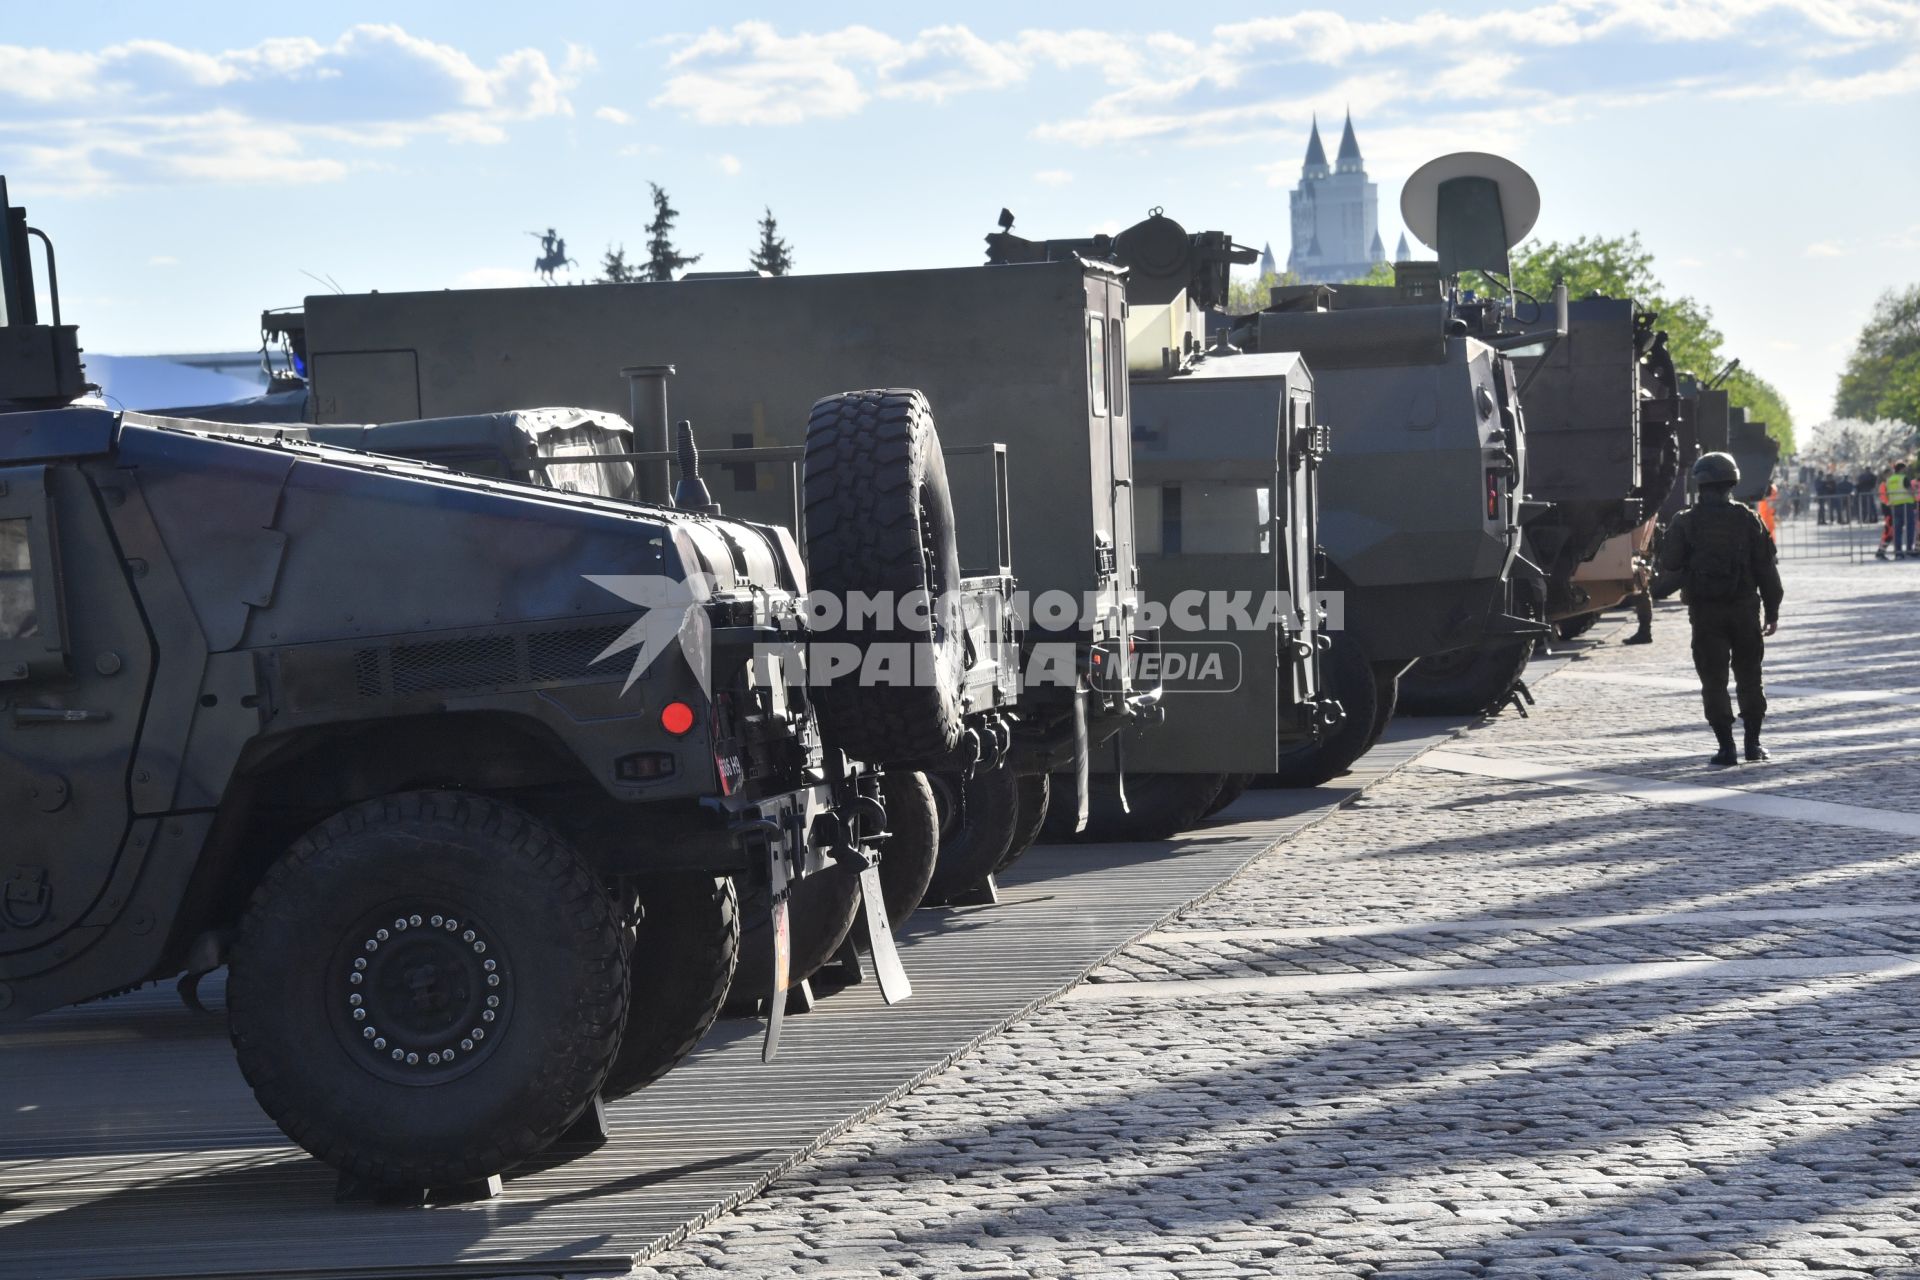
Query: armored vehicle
1226,456
461,779
1031,359
1420,491
1605,420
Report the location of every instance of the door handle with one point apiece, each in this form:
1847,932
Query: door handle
57,715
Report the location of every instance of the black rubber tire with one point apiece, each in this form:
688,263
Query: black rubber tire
682,954
821,911
823,908
1348,676
1386,698
536,912
1232,789
1576,626
911,852
1469,683
879,518
1159,806
978,817
1036,794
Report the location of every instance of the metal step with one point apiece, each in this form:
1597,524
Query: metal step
132,1147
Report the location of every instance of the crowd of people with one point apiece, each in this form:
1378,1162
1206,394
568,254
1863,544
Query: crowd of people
1888,498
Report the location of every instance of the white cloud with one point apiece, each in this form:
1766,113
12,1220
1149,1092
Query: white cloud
728,164
284,110
1825,249
613,115
163,260
1053,177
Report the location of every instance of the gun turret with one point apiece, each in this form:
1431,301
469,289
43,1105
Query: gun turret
39,363
1160,256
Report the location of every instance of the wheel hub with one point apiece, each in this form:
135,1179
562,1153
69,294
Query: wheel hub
422,994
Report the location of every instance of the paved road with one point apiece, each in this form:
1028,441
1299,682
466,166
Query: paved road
1555,1001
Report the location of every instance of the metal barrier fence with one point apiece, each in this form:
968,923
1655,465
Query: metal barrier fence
1845,526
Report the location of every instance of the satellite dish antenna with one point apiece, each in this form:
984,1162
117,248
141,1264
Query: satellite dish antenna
1470,207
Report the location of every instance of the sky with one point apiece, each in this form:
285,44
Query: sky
196,163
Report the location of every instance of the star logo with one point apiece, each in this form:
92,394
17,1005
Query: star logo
673,614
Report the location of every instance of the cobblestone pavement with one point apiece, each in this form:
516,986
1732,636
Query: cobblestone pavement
1584,1102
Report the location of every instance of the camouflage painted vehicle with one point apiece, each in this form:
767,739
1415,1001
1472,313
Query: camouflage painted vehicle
461,780
1024,370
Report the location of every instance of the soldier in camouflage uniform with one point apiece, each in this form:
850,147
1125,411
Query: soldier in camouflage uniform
1719,554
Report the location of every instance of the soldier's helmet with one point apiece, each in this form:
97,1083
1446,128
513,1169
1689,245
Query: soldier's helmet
1716,468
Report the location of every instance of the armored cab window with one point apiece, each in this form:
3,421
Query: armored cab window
32,635
1204,517
1117,358
1097,363
19,611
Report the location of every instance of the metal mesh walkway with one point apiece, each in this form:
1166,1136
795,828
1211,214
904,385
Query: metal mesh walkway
131,1146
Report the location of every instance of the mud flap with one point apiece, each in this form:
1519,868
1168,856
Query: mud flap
777,896
1080,771
894,986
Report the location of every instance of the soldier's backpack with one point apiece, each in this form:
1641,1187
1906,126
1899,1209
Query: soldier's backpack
1720,557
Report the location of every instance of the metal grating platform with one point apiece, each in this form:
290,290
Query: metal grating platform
131,1146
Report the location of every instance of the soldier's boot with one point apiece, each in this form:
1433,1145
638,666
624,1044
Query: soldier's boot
1755,752
1643,636
1728,754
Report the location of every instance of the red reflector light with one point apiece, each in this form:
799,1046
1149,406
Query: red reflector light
676,718
1493,495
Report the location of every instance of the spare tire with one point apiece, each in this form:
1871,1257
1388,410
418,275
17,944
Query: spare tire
1348,676
1466,682
879,519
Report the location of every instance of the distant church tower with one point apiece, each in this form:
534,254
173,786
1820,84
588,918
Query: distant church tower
1336,213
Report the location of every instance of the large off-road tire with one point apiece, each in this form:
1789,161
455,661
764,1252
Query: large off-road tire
821,911
978,818
1468,682
823,908
1159,806
1036,795
1232,789
427,989
911,852
682,952
879,518
1386,698
1348,675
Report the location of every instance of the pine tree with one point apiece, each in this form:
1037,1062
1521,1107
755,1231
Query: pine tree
614,268
662,258
774,256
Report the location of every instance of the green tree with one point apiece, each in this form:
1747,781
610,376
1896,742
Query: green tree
615,269
1382,273
1882,377
773,256
662,258
1622,267
1247,296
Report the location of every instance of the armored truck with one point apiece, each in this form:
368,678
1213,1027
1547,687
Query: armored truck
1605,419
1420,492
1031,359
460,779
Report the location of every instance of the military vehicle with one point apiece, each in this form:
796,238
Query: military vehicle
1031,360
1226,458
389,742
1421,487
1605,421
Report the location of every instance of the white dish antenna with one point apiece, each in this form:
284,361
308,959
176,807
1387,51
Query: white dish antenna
1470,207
